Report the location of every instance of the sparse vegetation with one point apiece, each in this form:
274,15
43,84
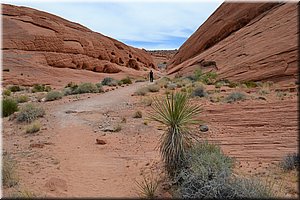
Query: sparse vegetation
210,176
100,87
126,80
147,187
138,114
153,88
34,127
290,162
23,194
86,88
141,91
9,176
14,88
9,106
22,98
235,96
250,84
109,81
29,113
199,92
53,95
6,92
177,114
38,88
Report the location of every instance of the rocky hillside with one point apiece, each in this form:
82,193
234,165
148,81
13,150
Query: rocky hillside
244,41
39,39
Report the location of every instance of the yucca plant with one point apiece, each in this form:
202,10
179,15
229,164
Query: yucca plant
177,114
147,187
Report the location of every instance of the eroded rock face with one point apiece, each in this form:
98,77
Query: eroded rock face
247,41
59,43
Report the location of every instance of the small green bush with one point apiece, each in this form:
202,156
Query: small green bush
9,177
235,96
153,88
38,88
126,80
290,162
71,85
14,88
6,92
67,91
9,106
138,114
142,91
109,81
22,99
29,113
232,84
199,92
86,88
34,127
53,95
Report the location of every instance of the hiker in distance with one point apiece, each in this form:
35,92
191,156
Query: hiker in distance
151,76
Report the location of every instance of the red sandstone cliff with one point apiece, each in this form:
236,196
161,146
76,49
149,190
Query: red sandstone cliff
247,41
38,39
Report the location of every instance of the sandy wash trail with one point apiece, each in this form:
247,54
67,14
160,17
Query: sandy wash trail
86,169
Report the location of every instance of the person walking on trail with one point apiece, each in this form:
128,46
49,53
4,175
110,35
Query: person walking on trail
151,76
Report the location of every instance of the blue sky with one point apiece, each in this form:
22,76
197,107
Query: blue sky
147,24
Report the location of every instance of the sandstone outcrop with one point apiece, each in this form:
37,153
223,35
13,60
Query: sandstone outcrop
247,41
36,38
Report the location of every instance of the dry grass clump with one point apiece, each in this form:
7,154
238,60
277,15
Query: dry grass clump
109,81
29,113
147,101
153,88
6,92
9,176
141,91
290,161
235,96
34,127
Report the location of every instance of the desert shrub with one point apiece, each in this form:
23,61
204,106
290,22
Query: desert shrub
141,91
147,187
209,175
171,86
71,85
53,95
183,90
235,96
47,88
38,88
199,92
9,176
67,91
126,80
209,78
29,113
232,84
109,81
22,99
86,88
153,88
263,91
34,127
147,101
6,92
100,87
138,114
250,84
163,82
177,114
9,106
281,95
14,88
290,162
